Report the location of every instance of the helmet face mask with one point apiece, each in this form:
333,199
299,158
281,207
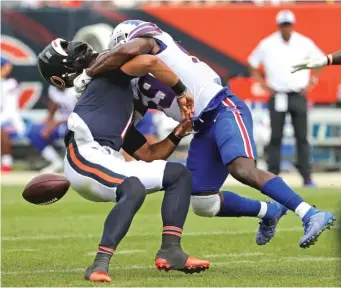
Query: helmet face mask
61,61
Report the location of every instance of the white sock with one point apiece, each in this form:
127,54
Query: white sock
302,209
7,160
50,154
263,210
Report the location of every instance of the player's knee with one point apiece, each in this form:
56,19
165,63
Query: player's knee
131,189
206,206
175,172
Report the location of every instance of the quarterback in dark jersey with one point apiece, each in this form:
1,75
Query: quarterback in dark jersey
99,127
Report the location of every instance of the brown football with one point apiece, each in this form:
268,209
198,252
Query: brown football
46,189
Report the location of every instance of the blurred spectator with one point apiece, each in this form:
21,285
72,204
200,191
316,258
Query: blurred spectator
12,124
43,135
277,53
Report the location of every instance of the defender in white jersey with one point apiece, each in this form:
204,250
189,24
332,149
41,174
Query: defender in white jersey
223,142
61,101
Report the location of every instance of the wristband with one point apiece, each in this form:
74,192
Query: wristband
175,139
329,59
179,89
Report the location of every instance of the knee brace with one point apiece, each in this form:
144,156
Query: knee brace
131,189
174,172
206,206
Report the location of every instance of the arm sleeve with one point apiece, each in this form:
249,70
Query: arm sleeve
257,56
133,141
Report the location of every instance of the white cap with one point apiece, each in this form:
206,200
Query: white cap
285,16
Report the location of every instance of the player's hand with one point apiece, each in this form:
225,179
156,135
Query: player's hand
80,83
310,64
183,129
186,105
50,125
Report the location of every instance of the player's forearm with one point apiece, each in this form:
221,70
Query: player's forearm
52,109
162,72
158,151
161,150
334,58
118,56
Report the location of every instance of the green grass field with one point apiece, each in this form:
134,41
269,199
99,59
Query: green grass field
52,245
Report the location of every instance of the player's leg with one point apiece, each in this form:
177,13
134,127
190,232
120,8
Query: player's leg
95,173
277,120
130,196
43,145
175,179
299,119
209,173
6,151
241,164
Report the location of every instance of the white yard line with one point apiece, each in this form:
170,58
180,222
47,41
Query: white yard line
247,254
186,234
214,264
18,250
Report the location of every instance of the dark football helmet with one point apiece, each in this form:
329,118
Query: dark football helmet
61,61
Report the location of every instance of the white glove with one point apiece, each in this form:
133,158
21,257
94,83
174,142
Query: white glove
80,83
309,64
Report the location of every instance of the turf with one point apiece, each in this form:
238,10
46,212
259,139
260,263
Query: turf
52,245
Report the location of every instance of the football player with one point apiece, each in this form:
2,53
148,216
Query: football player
98,127
223,142
43,135
330,59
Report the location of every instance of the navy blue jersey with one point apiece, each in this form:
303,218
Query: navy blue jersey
106,106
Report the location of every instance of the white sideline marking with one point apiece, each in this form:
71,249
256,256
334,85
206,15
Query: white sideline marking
186,234
120,252
233,255
19,250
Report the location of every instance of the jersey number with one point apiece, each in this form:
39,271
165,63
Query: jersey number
160,95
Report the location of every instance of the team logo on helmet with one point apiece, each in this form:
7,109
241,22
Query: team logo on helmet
58,82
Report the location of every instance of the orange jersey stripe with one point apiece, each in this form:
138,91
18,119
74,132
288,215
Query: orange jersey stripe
92,170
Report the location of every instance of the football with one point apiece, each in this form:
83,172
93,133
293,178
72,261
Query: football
46,189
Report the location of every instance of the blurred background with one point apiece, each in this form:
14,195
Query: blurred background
221,33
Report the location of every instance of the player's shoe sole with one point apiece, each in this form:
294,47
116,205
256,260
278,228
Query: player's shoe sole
192,265
317,231
96,275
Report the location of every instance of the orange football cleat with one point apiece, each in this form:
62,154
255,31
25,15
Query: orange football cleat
192,265
99,276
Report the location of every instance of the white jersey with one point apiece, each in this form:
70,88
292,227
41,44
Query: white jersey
65,100
150,93
198,77
10,111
